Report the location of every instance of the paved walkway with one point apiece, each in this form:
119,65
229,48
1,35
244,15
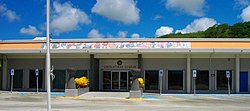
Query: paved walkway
117,101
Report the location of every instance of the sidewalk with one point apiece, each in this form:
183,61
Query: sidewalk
116,101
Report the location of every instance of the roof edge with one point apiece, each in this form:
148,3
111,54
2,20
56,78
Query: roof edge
134,40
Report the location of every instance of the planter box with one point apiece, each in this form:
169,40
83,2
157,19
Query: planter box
135,93
83,90
76,92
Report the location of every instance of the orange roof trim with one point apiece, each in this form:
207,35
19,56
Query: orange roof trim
21,46
220,44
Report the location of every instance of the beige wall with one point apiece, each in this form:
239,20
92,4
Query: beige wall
216,63
167,63
245,64
71,63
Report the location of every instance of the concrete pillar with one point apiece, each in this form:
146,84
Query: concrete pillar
140,63
237,73
91,75
96,76
5,73
94,73
188,73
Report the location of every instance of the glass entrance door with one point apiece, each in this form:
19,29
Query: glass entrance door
124,80
106,80
115,80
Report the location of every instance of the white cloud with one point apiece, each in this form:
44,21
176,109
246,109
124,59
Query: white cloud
30,30
191,7
110,35
40,38
135,35
163,30
2,8
8,14
157,17
242,3
122,34
95,34
66,18
245,15
124,11
198,25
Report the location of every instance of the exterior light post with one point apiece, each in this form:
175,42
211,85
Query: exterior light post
48,55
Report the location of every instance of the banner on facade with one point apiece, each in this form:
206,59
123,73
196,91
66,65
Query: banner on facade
119,45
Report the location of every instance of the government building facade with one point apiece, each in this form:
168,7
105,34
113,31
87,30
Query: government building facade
107,64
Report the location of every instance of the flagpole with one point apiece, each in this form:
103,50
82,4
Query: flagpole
48,55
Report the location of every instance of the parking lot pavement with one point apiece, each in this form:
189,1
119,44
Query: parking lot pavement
118,101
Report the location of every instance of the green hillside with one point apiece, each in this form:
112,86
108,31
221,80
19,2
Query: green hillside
239,30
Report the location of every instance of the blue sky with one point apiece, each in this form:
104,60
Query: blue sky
25,19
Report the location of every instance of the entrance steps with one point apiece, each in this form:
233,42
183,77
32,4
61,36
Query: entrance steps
105,95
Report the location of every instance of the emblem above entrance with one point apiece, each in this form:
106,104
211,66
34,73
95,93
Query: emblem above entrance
119,62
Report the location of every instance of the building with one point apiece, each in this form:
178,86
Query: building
107,62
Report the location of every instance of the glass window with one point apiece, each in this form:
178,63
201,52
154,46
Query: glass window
222,80
32,79
80,73
151,80
123,80
17,78
202,80
59,81
115,80
106,80
175,80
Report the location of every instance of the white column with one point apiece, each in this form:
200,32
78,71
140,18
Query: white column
5,73
188,73
237,73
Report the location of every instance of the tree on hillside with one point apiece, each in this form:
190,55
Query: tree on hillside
238,30
218,31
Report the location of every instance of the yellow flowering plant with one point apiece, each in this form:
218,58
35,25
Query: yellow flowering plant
81,82
141,82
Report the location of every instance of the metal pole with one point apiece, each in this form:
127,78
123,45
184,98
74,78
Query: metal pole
11,88
48,55
194,86
36,84
228,86
160,85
